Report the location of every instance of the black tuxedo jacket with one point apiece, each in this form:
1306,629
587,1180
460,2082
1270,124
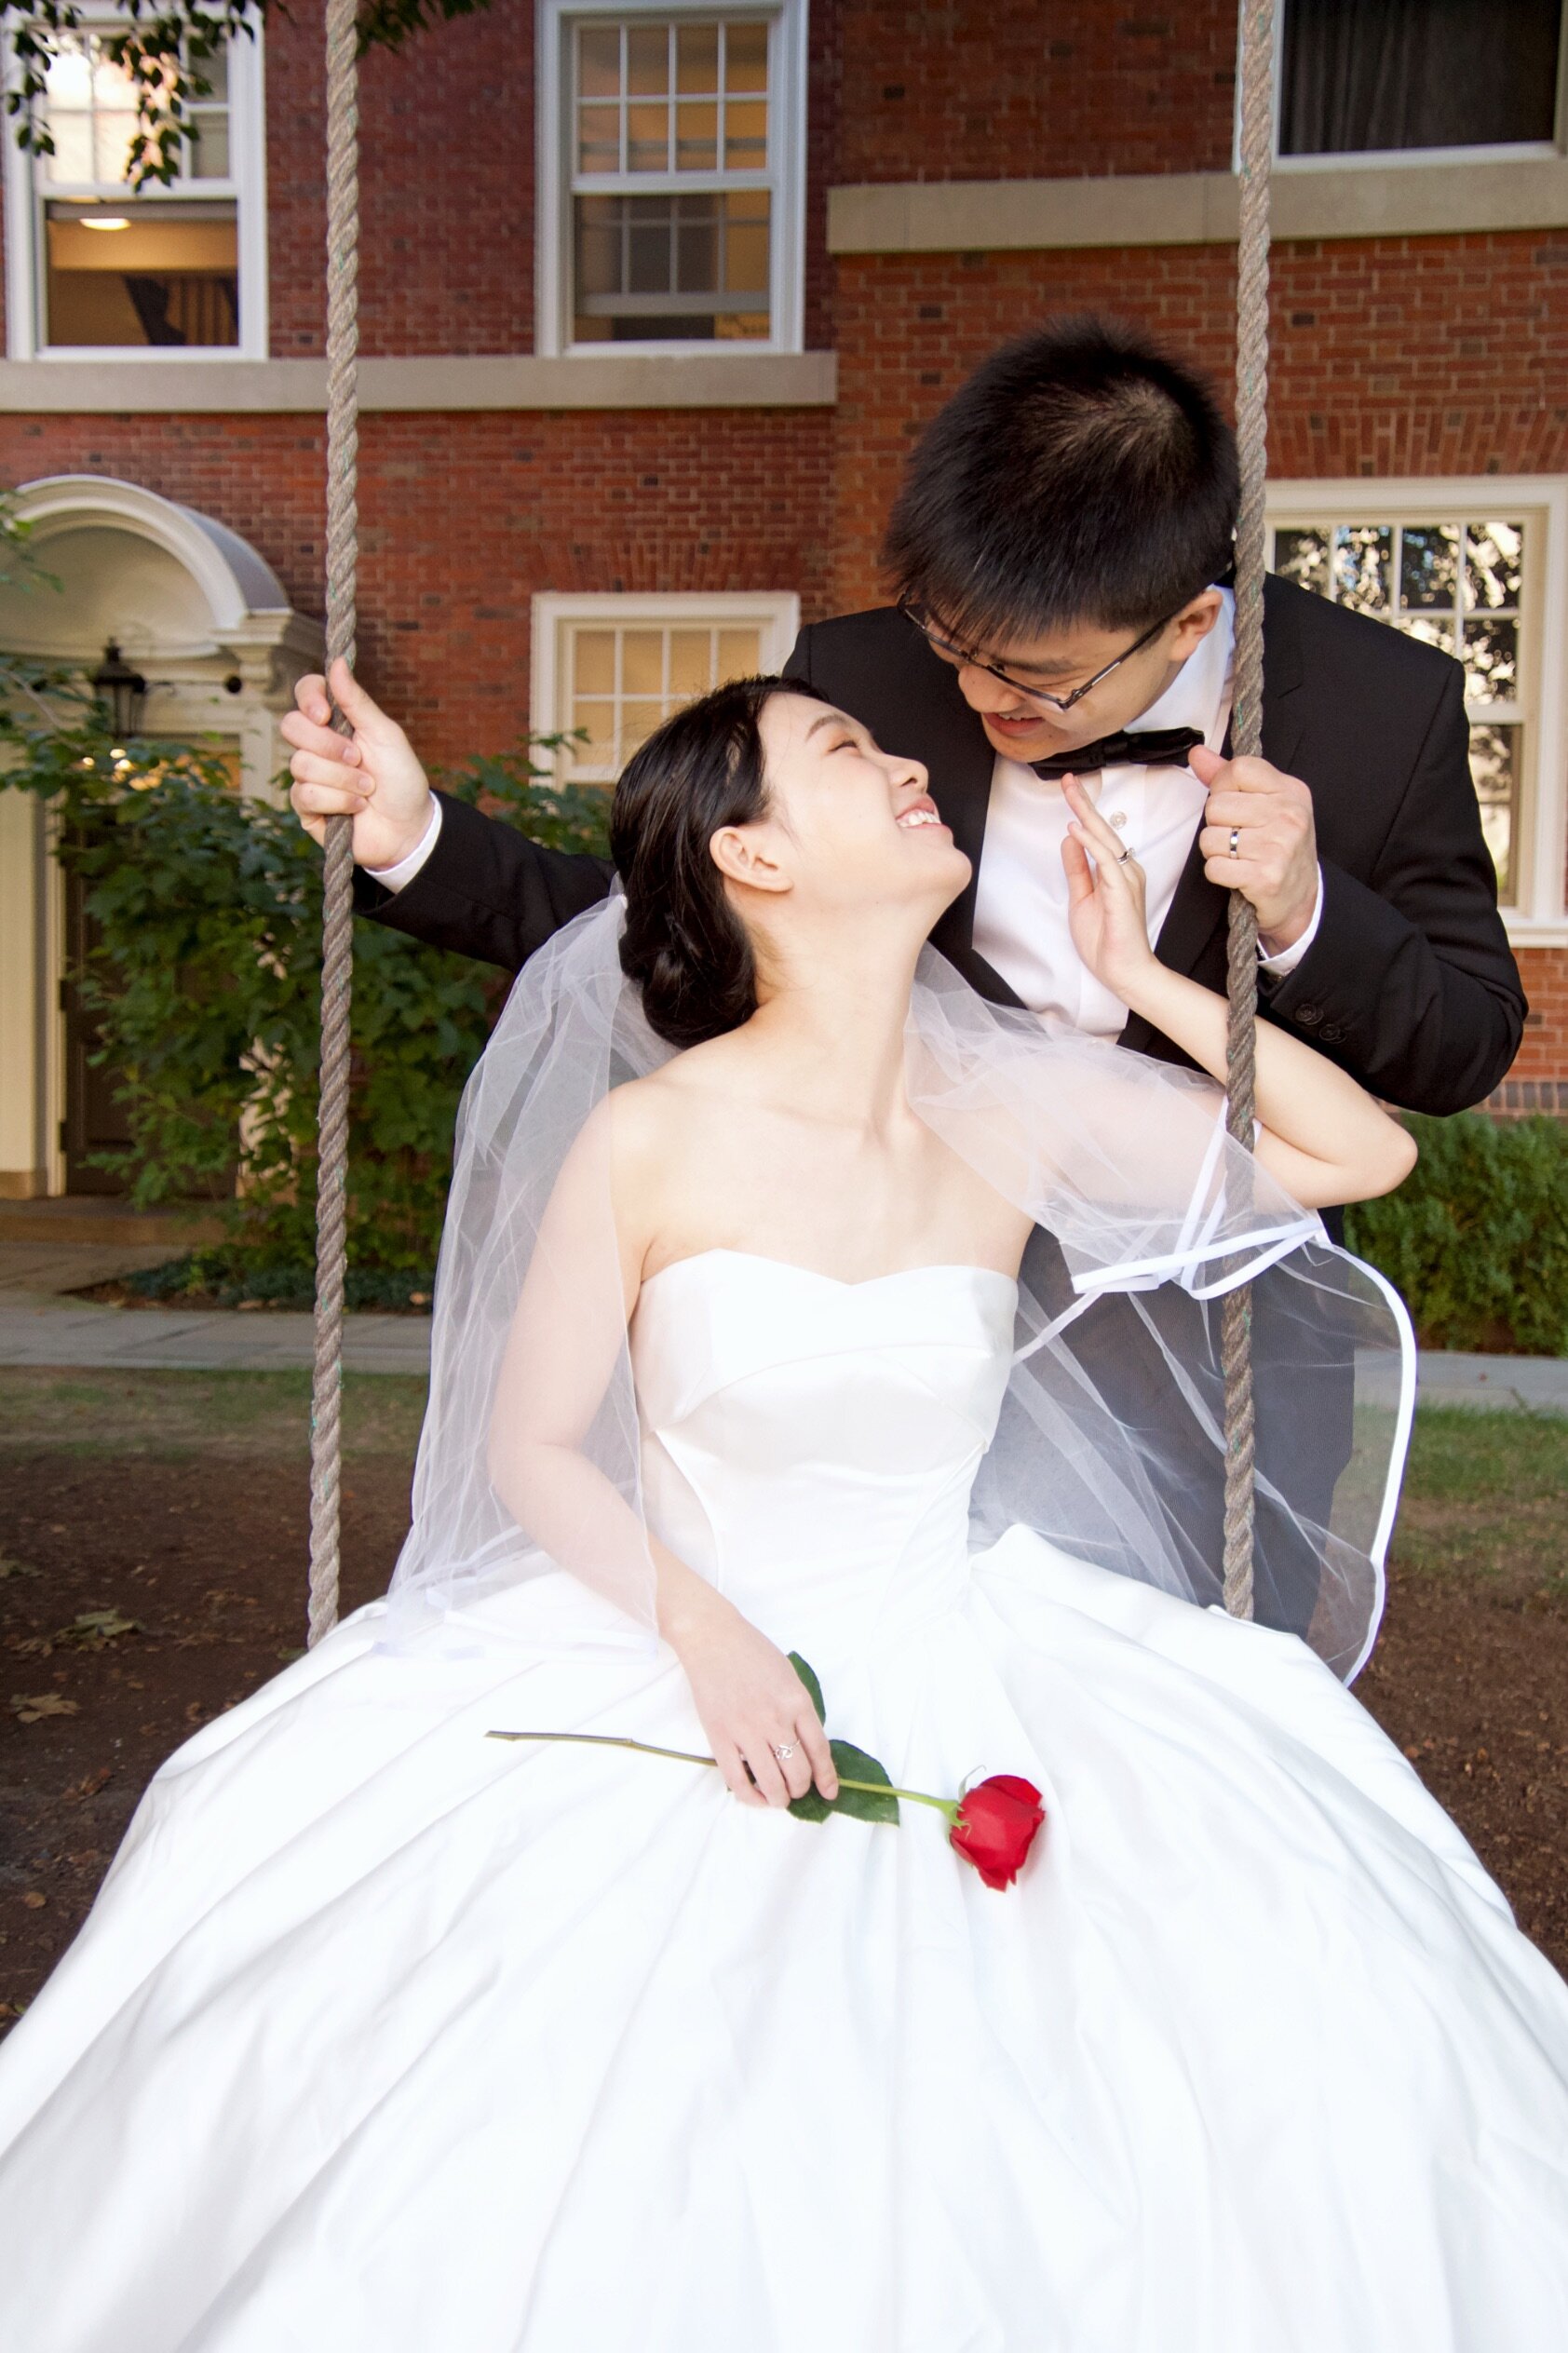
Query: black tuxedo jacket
1409,984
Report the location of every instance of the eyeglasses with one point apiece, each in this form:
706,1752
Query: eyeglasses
962,658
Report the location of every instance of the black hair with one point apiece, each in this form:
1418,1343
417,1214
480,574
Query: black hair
1081,475
683,941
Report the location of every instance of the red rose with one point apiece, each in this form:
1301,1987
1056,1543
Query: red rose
996,1826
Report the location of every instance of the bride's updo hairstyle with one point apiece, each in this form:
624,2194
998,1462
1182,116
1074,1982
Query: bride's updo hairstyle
683,942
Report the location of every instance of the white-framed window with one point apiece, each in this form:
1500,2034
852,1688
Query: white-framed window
95,269
1417,81
671,176
615,666
1478,568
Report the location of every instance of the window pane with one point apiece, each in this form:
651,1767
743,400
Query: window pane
1303,556
746,56
691,661
598,722
71,159
599,138
214,71
1363,557
1490,658
696,55
599,244
1495,767
648,246
647,60
647,138
739,655
746,135
697,254
1434,630
169,278
599,60
642,661
746,243
209,152
1493,564
696,137
111,136
1368,75
638,721
1428,566
594,661
69,77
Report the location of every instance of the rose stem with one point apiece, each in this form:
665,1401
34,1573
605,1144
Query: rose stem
687,1756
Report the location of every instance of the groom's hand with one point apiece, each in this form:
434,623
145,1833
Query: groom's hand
1275,860
373,775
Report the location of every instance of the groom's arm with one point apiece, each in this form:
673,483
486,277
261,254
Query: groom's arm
1410,983
486,890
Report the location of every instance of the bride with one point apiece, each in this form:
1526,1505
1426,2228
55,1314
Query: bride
386,2033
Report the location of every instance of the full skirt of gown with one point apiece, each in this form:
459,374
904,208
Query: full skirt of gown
386,2035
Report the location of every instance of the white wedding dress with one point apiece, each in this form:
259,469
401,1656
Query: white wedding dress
385,2036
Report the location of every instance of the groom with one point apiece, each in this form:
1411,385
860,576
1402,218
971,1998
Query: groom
1062,550
1062,547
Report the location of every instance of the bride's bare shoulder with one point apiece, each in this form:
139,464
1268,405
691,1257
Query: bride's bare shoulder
647,1115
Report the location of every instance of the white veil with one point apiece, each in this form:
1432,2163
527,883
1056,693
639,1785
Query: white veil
1111,1440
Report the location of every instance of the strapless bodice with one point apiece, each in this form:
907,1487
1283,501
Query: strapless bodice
809,1444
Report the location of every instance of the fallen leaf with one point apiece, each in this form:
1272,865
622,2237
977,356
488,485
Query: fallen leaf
32,1708
9,1567
33,1901
95,1629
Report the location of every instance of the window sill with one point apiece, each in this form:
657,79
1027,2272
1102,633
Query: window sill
1198,207
190,385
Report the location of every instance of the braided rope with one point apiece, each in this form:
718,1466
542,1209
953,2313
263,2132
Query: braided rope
337,952
1241,978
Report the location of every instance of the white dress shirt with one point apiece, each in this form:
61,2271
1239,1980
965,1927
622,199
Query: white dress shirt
1020,910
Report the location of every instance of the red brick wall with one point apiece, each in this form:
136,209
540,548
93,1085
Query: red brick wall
447,185
463,519
1544,1054
1031,90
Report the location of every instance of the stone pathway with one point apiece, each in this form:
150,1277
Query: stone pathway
40,1329
50,1331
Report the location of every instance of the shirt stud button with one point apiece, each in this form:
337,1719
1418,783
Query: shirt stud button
1118,816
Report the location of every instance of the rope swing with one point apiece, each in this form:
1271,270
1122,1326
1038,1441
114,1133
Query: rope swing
337,926
1247,712
342,469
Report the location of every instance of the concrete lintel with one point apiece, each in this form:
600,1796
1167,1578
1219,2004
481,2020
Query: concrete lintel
441,383
1198,207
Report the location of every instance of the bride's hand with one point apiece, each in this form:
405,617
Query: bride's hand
752,1704
1105,889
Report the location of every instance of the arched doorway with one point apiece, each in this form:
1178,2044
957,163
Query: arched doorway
202,617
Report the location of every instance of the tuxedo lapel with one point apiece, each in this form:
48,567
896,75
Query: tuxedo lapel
1198,910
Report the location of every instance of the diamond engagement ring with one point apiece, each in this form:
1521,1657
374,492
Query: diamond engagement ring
1236,841
784,1750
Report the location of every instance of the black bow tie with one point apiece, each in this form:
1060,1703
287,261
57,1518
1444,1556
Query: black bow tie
1156,747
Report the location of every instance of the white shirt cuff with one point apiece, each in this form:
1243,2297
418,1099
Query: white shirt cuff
395,877
1288,958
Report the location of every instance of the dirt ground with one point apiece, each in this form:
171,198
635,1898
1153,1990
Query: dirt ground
153,1542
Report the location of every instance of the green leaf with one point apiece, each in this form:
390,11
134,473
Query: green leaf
812,1807
863,1806
808,1677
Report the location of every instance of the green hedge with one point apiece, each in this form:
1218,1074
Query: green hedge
1476,1236
204,985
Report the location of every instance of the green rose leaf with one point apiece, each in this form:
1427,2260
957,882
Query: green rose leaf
812,1807
808,1677
877,1805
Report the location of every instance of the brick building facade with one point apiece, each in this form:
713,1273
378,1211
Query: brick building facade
654,299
